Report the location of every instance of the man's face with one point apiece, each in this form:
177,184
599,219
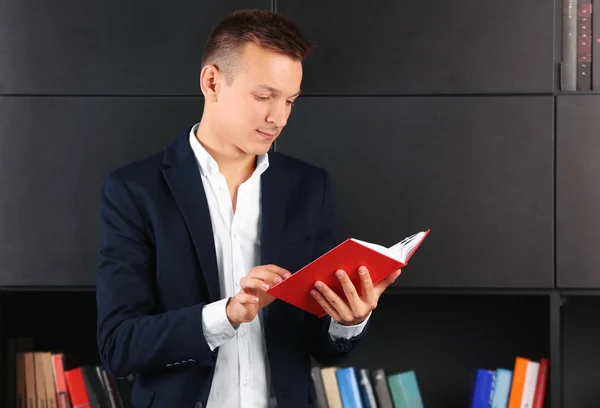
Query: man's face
252,111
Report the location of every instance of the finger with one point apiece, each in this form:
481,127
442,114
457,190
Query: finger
387,281
284,273
326,305
269,273
266,276
246,298
368,293
350,291
248,283
336,302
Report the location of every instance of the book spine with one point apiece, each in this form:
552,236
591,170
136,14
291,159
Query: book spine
569,46
540,387
584,45
595,48
382,391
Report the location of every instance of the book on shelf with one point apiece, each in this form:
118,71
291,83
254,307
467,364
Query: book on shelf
340,387
522,386
348,256
580,45
41,380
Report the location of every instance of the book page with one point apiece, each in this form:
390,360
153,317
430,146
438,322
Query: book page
399,251
375,247
403,249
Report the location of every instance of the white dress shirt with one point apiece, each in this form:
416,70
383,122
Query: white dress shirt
241,378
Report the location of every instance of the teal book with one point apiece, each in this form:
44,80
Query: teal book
502,388
405,390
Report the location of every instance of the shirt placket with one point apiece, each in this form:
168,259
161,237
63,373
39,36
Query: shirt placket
246,399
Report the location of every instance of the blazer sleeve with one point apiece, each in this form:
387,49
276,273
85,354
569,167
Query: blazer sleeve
323,348
131,336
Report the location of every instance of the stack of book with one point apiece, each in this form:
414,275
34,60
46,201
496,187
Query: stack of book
39,379
523,386
348,387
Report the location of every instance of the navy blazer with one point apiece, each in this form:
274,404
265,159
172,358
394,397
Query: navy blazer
157,269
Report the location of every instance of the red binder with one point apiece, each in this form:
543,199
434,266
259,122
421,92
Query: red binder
349,256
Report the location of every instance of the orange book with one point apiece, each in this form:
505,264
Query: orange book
518,382
349,256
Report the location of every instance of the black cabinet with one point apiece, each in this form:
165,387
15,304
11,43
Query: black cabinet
446,338
54,155
478,171
578,191
107,47
426,46
579,348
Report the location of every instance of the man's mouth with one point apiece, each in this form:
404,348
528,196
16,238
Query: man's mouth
265,134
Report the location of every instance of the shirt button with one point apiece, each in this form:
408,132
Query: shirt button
245,383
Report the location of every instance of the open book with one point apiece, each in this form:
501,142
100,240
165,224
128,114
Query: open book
349,256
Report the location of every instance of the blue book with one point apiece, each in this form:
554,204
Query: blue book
483,388
502,388
348,386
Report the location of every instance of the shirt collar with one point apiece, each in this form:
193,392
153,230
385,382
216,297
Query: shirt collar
208,165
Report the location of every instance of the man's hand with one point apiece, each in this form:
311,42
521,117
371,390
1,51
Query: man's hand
355,308
244,306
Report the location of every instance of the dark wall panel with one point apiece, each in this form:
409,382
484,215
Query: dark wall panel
54,155
478,171
578,191
427,46
107,47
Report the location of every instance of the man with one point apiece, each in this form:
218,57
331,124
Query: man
192,237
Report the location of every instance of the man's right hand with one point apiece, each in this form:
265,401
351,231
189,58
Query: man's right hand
244,306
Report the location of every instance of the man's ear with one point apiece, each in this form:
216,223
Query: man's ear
209,82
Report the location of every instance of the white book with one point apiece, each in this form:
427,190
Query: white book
531,375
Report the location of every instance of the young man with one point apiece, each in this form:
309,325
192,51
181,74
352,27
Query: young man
192,237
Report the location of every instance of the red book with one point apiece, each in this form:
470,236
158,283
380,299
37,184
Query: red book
60,385
77,389
348,256
540,386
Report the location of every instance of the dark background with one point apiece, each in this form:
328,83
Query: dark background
431,114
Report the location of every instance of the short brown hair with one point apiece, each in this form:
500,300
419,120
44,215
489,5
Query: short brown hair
262,27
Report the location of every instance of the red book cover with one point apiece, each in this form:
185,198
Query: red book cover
349,256
540,386
59,381
77,389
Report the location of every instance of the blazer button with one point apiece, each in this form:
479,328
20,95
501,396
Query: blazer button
198,405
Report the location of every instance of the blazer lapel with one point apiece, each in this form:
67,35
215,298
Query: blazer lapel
184,180
274,199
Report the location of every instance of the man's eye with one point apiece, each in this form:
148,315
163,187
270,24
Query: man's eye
291,103
262,98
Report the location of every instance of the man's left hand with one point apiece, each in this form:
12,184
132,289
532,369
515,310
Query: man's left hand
355,308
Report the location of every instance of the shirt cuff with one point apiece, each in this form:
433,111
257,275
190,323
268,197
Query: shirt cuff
215,324
337,331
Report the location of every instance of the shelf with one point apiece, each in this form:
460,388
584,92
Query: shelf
445,339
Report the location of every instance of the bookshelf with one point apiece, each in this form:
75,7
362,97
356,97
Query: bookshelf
452,120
